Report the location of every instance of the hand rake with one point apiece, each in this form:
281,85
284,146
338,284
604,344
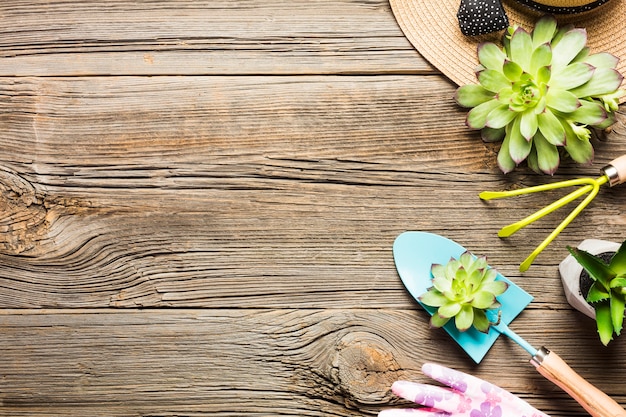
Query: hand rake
613,174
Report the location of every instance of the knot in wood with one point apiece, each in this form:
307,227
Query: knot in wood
364,368
22,214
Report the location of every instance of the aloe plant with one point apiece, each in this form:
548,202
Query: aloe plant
463,290
607,294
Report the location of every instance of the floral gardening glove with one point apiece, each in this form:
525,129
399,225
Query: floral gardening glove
467,396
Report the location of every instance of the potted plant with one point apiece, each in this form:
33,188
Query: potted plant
463,290
606,292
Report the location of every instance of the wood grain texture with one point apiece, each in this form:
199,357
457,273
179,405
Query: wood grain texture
261,362
199,38
198,202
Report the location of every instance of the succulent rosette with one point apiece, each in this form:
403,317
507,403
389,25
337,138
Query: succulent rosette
463,290
540,94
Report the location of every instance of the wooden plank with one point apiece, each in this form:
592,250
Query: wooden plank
193,38
230,191
264,362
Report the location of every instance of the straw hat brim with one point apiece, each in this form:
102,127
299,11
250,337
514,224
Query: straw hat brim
432,27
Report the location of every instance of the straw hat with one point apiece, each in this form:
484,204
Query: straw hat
434,30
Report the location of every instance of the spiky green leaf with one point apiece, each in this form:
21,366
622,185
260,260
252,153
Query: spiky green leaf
618,261
617,312
597,293
589,113
505,162
437,321
481,322
528,124
604,322
597,269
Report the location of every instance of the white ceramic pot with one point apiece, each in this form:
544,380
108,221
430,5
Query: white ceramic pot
570,271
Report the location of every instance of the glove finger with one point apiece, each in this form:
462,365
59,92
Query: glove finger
478,390
430,396
470,385
418,412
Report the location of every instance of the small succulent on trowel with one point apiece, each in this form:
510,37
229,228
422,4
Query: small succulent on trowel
463,290
607,294
540,93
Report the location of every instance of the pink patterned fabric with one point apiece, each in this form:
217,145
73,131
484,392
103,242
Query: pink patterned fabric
463,396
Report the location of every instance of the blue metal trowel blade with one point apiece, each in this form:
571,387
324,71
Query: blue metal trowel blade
415,253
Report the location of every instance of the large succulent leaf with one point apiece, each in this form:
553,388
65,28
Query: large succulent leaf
589,113
604,322
618,261
528,124
604,81
471,95
546,156
449,310
597,269
505,162
580,150
491,56
561,100
493,80
602,60
567,47
551,128
481,322
483,300
464,318
541,58
521,48
492,135
573,75
437,321
477,117
544,30
442,284
495,287
512,70
500,117
617,312
519,147
433,298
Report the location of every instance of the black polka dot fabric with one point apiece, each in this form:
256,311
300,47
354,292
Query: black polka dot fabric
562,10
478,17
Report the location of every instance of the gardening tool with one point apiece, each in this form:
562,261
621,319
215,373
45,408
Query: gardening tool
416,252
613,174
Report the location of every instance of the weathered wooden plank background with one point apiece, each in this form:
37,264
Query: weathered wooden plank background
199,201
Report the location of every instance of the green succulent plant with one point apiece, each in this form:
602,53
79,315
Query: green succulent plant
540,93
607,294
463,290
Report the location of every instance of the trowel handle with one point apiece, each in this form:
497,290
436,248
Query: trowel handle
616,171
596,402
